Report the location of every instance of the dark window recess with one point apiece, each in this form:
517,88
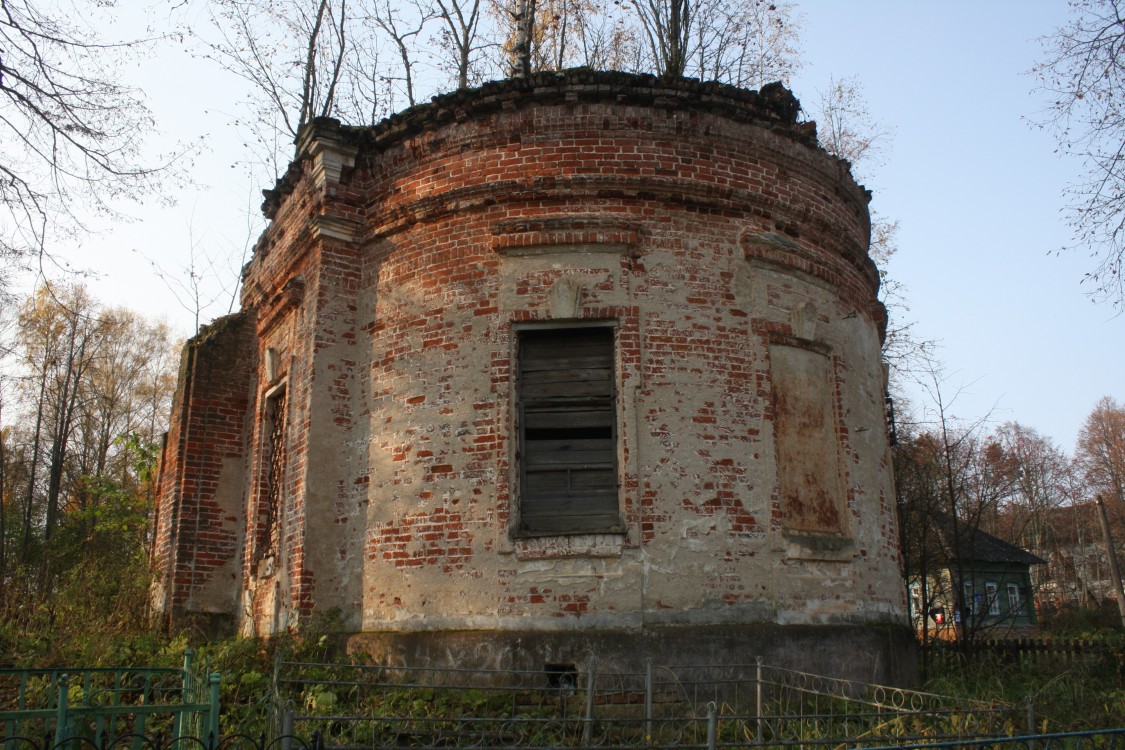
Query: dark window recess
889,412
567,422
269,532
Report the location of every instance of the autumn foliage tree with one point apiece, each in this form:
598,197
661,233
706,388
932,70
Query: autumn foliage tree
1101,449
952,480
85,393
1101,457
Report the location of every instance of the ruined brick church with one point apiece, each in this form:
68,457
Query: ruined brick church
580,366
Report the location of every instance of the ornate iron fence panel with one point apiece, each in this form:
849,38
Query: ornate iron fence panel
166,742
100,707
1103,739
358,707
713,739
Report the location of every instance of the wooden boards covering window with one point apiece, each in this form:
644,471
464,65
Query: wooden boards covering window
567,427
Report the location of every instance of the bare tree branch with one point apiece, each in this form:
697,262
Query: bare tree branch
74,135
1083,73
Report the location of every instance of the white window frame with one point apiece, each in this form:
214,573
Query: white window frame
992,595
1015,601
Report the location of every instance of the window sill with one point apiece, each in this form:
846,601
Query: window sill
808,545
553,545
610,528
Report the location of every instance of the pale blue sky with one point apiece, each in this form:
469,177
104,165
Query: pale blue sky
976,189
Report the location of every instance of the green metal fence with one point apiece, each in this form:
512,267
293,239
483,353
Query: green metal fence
53,706
378,707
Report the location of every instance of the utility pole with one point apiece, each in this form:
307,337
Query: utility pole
1114,571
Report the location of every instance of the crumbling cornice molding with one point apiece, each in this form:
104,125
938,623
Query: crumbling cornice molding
325,145
564,234
289,297
334,227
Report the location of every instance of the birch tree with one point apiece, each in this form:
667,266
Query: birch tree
87,376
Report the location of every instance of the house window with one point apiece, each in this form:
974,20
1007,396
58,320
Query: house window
970,600
992,591
273,474
917,606
567,419
1014,604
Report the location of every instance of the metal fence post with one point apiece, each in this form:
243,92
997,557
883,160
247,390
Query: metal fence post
187,694
712,726
759,737
286,729
213,711
648,701
1030,702
61,705
588,727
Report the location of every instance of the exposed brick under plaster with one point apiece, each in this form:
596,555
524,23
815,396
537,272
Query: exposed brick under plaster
702,222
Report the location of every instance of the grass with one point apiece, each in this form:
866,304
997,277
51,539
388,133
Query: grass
1086,693
1083,693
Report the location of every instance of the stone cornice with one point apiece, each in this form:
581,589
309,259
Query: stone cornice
334,227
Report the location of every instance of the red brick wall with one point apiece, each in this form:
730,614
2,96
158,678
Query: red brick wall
700,221
199,518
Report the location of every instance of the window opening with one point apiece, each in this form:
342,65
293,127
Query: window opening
269,531
567,428
1014,603
992,591
889,414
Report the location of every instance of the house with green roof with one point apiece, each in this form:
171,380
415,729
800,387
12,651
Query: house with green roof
978,586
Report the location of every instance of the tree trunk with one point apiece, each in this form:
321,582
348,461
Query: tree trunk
25,552
1114,570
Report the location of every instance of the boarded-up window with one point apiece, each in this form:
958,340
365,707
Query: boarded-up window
567,428
807,460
